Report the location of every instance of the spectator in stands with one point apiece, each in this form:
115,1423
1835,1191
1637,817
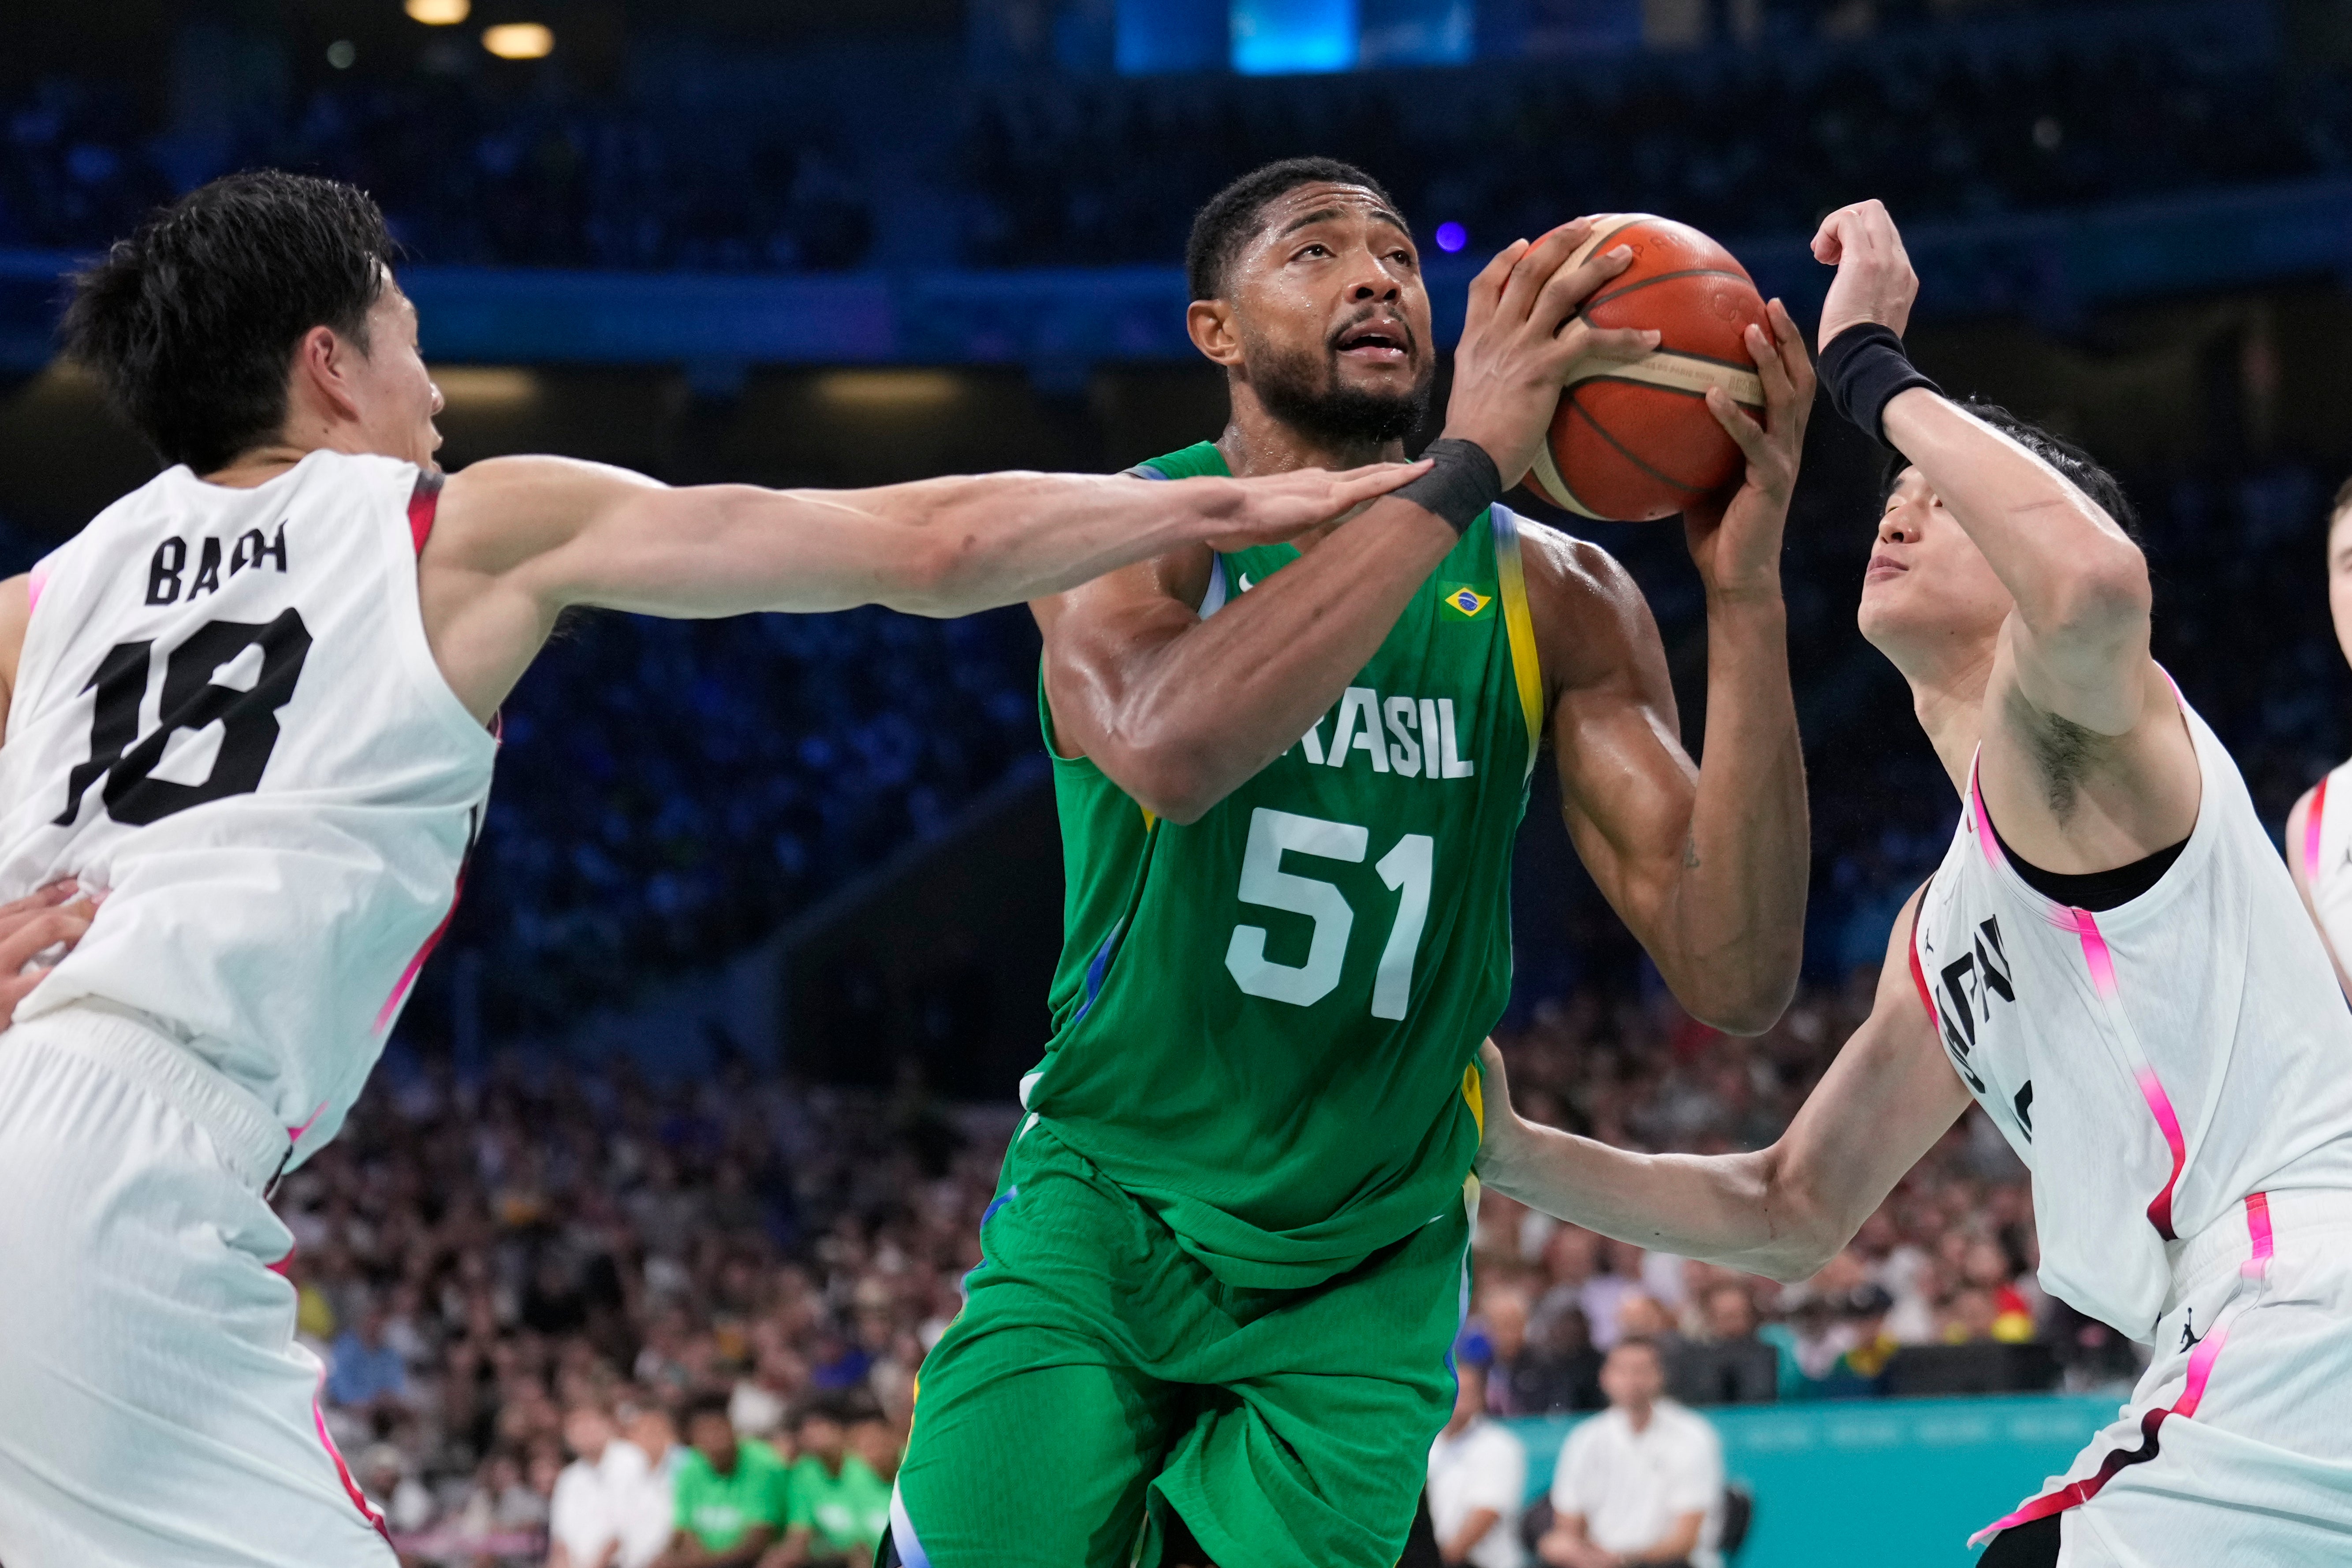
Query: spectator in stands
1861,1367
404,1501
647,1513
1729,1365
836,1506
730,1490
367,1375
586,1511
1477,1478
1559,1371
1640,1483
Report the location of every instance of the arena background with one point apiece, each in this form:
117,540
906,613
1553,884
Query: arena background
706,1084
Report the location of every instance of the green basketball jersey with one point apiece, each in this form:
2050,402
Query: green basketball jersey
1266,1022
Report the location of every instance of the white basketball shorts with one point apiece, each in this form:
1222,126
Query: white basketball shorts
2237,1445
154,1407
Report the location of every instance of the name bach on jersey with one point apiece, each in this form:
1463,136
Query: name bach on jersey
227,720
2155,1064
1266,1020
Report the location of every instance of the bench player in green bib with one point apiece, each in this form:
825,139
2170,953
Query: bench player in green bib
1226,1260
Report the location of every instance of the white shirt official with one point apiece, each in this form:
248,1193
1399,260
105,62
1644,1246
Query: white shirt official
1632,1486
1482,1465
586,1511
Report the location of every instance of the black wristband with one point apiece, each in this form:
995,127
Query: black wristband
1463,483
1863,367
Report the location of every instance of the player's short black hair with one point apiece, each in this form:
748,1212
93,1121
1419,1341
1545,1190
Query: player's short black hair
1230,219
2336,508
2079,466
191,323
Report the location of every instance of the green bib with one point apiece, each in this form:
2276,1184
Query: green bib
1266,1023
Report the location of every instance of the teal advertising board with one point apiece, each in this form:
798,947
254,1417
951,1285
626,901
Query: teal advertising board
1861,1483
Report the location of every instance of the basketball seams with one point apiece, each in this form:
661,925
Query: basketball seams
1687,375
1599,299
1621,450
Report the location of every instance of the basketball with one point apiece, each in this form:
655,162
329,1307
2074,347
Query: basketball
1634,443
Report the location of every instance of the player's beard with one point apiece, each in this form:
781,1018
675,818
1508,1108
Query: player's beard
1302,388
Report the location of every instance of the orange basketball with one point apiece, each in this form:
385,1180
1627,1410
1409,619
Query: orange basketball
1634,443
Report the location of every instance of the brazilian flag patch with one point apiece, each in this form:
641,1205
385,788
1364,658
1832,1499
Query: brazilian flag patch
1464,600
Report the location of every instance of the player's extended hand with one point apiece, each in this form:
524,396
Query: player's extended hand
1875,281
1504,1135
1276,507
29,928
1523,341
1735,543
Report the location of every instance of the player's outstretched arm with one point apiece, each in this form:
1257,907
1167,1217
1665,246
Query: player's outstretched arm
2080,634
1178,710
1707,866
1782,1211
520,540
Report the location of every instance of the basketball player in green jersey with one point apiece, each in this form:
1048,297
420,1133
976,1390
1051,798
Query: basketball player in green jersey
1227,1258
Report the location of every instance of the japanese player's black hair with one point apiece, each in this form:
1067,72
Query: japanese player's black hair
191,323
1231,218
2079,466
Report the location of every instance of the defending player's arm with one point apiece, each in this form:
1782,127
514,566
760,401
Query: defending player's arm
1706,865
1178,710
520,540
1782,1211
2080,632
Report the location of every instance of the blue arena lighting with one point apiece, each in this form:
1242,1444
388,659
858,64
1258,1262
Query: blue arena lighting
1286,37
1154,37
1452,236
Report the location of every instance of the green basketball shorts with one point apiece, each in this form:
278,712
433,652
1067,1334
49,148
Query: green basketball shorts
1100,1378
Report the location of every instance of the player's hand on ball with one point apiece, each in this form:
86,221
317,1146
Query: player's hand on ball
1874,282
36,932
1277,507
1735,543
1523,341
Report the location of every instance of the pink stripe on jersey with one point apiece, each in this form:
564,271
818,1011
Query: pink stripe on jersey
2255,1268
1985,840
2159,1105
40,580
2258,1226
2096,956
351,1488
2311,833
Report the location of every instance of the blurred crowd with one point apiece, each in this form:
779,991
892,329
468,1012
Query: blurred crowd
739,1277
1748,145
465,171
1829,102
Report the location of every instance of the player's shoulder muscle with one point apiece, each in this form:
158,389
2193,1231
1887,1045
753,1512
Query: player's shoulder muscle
497,514
1594,627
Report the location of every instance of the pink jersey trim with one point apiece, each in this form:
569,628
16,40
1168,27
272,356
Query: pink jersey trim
1985,840
2256,1270
2311,833
368,1511
34,583
2159,1105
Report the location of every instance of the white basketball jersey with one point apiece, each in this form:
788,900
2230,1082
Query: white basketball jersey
227,719
2154,1063
2326,851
